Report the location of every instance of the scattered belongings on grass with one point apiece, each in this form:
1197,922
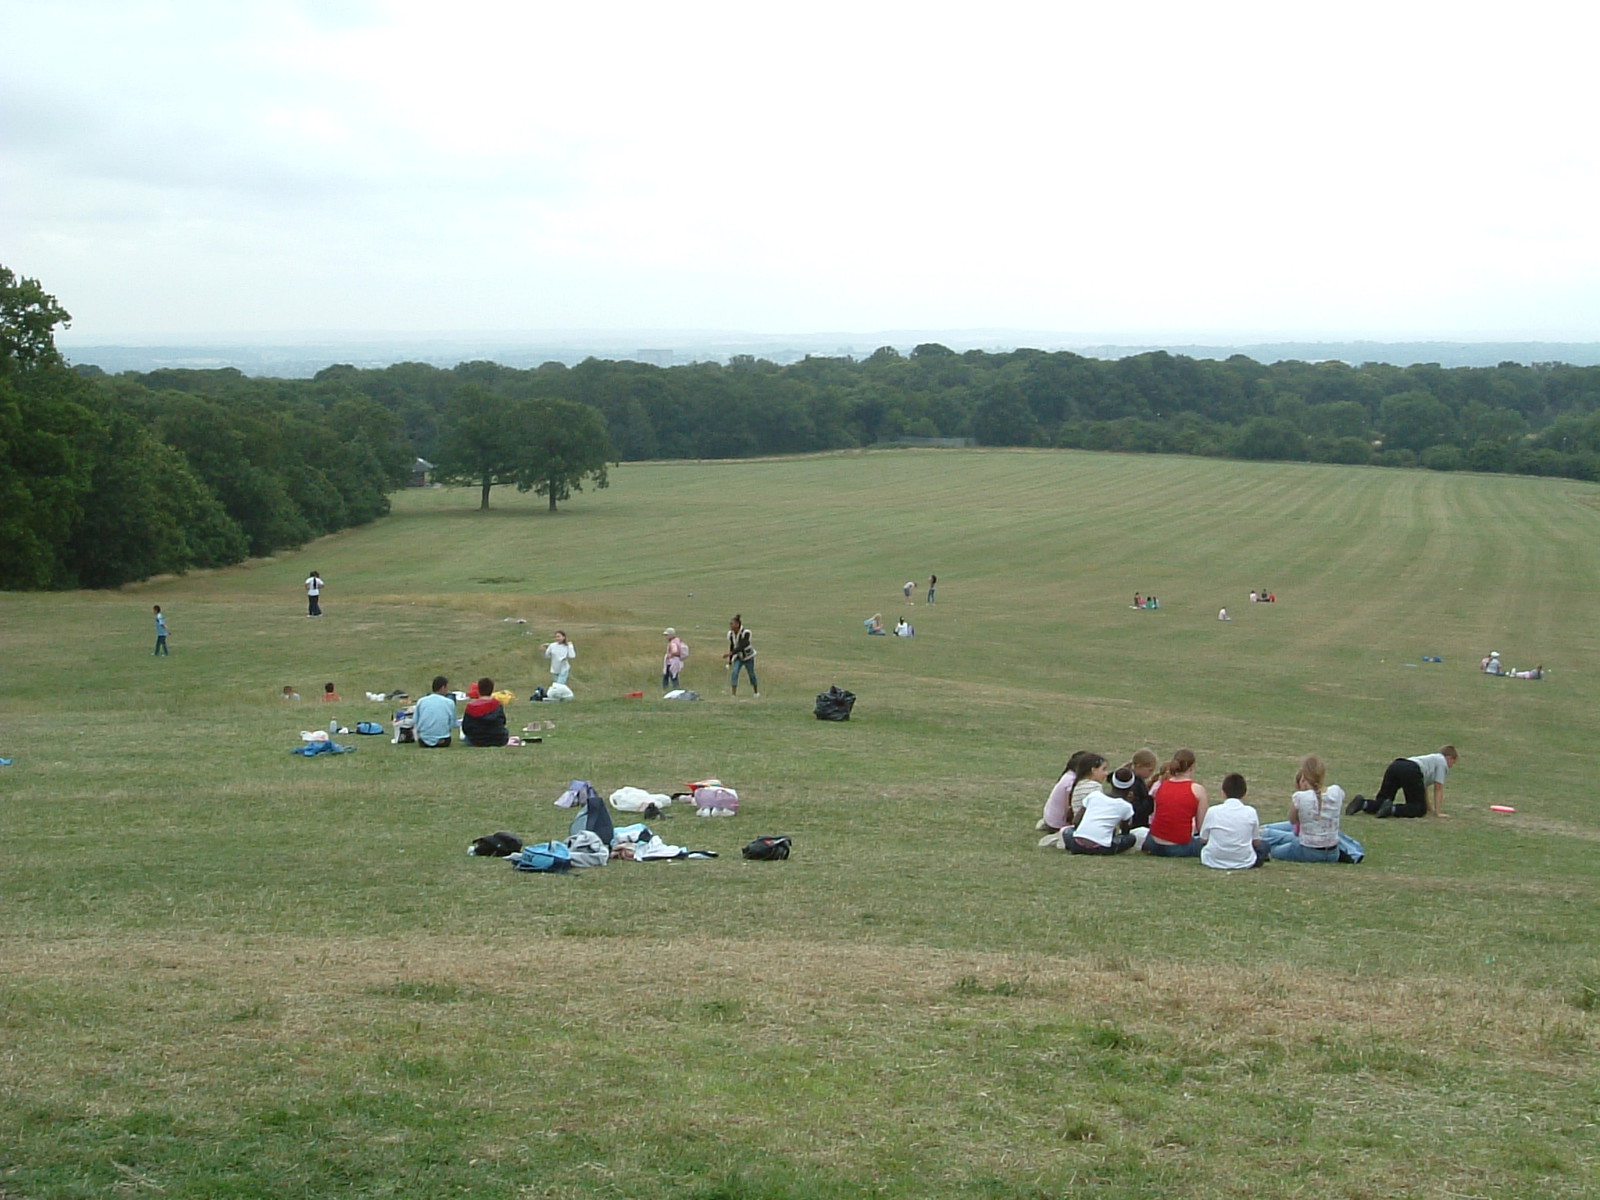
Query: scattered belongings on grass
495,845
768,849
681,694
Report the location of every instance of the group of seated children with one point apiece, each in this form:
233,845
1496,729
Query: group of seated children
1143,601
1094,810
1263,597
434,723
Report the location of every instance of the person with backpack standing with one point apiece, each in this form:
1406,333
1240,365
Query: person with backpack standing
314,586
672,661
741,654
161,635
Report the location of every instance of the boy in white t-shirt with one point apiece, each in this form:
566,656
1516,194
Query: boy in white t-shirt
1232,830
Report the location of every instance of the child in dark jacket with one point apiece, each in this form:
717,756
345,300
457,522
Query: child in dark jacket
484,723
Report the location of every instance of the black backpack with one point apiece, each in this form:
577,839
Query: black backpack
834,705
768,848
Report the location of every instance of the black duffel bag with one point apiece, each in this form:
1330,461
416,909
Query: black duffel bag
835,705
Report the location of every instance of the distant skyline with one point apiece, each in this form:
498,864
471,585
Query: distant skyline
269,170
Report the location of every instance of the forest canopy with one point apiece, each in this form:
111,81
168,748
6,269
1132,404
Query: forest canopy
107,479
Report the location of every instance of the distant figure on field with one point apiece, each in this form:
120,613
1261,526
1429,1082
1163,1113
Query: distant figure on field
1491,665
1138,600
672,660
741,654
910,586
329,696
314,586
1311,834
1232,830
435,719
1536,673
903,629
1414,777
560,652
484,722
874,625
1222,615
289,693
933,581
161,635
1254,597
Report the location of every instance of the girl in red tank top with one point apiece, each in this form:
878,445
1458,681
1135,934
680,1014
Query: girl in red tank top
1180,807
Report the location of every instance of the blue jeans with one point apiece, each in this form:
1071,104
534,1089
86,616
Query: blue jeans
1285,846
561,675
161,648
749,665
1162,850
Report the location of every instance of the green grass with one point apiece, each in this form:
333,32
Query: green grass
226,971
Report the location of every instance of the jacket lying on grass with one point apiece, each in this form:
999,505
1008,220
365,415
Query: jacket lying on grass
312,749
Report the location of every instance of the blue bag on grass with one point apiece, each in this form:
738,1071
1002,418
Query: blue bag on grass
546,856
368,727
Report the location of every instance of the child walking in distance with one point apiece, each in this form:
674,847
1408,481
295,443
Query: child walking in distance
161,635
314,586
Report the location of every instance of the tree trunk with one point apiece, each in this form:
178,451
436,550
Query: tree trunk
484,504
552,495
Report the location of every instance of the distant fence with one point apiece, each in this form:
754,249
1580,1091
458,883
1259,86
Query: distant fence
928,441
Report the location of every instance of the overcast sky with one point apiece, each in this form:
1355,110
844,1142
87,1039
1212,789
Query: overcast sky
1389,170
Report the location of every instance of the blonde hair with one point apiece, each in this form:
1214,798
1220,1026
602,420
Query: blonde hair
1312,774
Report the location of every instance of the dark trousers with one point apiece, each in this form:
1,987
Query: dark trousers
1403,776
1120,842
313,609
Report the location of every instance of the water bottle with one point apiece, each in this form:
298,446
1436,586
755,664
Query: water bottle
333,727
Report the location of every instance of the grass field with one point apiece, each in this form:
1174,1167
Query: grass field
226,971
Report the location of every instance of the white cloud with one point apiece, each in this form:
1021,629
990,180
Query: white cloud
1409,167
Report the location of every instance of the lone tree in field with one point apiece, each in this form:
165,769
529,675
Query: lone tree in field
566,444
545,446
480,440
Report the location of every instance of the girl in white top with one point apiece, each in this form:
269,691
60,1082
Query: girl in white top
1311,834
1099,814
560,653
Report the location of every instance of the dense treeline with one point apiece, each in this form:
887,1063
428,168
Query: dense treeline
1533,420
107,479
104,481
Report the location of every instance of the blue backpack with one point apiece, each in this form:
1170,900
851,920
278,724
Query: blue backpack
546,856
368,727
